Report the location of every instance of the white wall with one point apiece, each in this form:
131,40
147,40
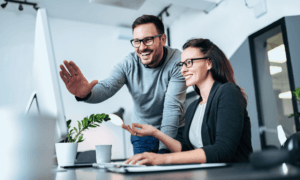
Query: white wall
93,47
228,25
16,55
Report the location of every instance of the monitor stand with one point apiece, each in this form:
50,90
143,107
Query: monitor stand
58,169
30,102
33,98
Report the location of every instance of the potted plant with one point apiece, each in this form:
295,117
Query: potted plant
66,151
296,93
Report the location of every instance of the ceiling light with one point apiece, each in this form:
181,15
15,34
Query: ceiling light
275,69
3,5
277,54
20,7
285,95
21,3
165,10
167,13
35,7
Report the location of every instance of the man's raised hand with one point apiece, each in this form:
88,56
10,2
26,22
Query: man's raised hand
75,81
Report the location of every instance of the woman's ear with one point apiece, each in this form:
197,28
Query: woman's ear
209,64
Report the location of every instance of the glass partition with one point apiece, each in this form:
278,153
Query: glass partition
272,83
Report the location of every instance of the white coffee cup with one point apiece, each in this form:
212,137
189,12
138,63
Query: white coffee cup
103,153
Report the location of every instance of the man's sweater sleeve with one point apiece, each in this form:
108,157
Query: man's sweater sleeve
109,86
174,107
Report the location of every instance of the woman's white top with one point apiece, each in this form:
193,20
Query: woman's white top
195,129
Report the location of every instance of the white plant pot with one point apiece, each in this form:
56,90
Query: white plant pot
66,153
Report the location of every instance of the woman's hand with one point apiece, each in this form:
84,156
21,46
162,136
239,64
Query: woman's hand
147,158
146,130
128,128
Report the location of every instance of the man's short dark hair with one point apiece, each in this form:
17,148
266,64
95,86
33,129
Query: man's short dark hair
145,19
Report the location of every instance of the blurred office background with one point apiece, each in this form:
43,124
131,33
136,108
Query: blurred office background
95,35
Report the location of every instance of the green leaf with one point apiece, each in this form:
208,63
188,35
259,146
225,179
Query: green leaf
92,121
99,121
75,138
296,93
92,118
297,90
100,116
97,117
85,122
79,126
80,138
69,123
70,138
297,115
106,118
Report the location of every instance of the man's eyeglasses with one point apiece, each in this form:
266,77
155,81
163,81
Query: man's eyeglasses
148,41
189,62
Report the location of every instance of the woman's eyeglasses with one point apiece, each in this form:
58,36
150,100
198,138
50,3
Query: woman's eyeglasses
189,62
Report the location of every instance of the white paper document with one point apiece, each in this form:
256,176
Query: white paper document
128,169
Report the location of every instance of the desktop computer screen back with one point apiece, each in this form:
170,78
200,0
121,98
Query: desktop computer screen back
47,93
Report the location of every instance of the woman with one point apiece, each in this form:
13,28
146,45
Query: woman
217,125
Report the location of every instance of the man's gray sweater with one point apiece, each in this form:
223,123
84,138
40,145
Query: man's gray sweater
158,93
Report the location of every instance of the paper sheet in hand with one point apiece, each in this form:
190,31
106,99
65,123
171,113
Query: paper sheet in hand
164,167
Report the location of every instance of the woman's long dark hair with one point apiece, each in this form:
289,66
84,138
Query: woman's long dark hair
221,70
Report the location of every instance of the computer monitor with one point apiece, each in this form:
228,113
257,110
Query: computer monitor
47,94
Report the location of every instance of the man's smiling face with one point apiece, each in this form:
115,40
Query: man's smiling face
149,55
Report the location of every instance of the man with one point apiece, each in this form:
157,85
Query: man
152,77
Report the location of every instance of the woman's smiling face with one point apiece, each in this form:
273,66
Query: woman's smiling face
199,71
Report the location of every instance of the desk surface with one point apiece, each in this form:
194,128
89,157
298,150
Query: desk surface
233,172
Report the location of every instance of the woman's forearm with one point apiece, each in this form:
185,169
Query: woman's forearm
172,144
192,156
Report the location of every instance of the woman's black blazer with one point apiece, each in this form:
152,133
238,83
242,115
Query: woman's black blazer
226,129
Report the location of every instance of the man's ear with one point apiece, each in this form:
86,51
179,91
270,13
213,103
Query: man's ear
164,39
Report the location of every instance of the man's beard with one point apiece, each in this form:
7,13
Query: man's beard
155,58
